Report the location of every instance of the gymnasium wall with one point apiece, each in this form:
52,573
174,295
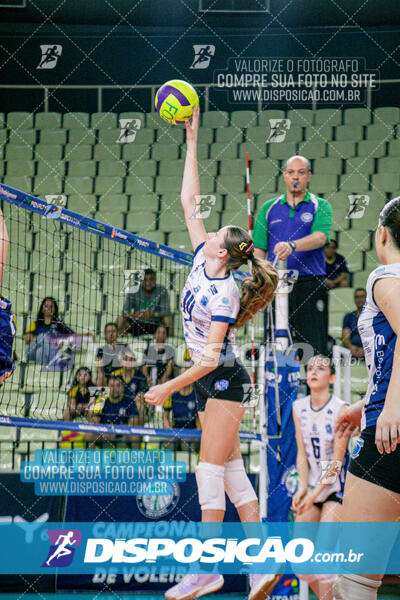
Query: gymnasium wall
100,55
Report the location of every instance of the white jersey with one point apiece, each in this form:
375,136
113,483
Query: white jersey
317,430
203,300
379,342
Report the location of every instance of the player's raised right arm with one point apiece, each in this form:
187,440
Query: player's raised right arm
190,184
4,241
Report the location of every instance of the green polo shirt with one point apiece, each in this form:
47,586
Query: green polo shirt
277,221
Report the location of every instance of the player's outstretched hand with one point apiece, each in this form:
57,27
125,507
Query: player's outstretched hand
157,395
387,430
349,422
192,126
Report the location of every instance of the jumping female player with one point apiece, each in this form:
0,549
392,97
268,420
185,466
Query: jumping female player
211,306
7,318
322,458
372,489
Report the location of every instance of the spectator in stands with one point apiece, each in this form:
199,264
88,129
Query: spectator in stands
39,332
350,336
182,405
135,383
296,226
78,406
145,308
159,359
115,408
109,356
336,267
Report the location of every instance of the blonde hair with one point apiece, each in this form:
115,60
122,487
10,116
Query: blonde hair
257,291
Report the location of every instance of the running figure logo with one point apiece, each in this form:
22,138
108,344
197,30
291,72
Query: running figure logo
61,553
50,55
203,206
358,204
203,54
129,128
279,129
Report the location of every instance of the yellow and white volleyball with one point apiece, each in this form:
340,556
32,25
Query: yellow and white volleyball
175,101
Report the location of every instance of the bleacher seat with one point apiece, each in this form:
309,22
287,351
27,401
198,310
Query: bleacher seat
53,136
81,168
346,133
51,167
49,152
78,152
76,120
328,116
300,117
318,133
341,149
18,152
312,149
243,118
103,120
19,120
109,151
265,116
371,148
23,137
21,167
387,114
215,118
357,116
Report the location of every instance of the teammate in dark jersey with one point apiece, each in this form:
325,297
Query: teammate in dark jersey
7,318
372,489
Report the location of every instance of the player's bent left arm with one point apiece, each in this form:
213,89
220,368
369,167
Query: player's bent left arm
209,361
386,293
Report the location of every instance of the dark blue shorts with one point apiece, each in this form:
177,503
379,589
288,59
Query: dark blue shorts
226,383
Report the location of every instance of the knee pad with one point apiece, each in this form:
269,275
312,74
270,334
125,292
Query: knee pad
210,485
237,484
355,587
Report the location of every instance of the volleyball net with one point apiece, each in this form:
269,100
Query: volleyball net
90,268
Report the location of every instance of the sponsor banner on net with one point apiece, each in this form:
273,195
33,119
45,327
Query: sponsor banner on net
103,472
357,548
297,80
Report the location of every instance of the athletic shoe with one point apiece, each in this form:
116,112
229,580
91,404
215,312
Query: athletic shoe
262,585
194,586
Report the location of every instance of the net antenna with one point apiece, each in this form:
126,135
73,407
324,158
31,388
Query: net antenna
252,330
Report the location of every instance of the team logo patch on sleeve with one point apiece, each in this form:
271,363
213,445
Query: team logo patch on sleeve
225,300
221,385
204,301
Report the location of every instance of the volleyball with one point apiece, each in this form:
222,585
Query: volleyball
175,101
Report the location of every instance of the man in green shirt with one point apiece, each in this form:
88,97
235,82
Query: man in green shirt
146,309
296,226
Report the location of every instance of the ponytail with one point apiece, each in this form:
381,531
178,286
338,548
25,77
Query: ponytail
257,291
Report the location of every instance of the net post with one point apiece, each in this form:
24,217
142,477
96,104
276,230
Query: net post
263,481
282,308
337,353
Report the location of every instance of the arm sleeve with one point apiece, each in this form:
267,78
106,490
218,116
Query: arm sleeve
225,307
323,218
260,232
